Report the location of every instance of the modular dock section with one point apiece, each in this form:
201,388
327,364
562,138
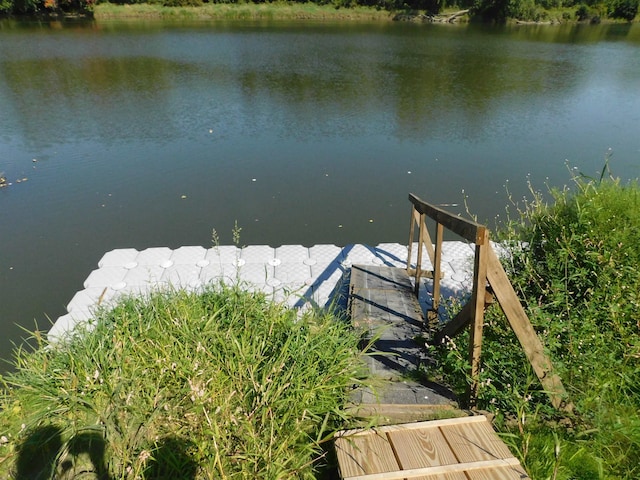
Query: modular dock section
297,275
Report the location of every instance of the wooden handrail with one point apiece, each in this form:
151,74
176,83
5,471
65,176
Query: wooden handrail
489,281
467,229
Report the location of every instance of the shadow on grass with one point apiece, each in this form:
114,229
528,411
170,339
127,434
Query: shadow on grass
44,455
171,461
37,455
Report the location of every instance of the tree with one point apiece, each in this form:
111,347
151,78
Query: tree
625,9
492,10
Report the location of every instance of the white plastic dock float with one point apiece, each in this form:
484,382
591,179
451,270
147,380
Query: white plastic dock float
297,275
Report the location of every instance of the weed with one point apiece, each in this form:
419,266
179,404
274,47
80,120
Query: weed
216,384
573,262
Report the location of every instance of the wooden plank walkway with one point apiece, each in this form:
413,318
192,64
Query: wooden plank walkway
382,304
453,449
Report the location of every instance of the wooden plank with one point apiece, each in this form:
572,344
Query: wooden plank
365,454
509,472
430,471
448,449
423,274
456,324
512,308
393,412
422,228
421,448
425,447
382,295
445,422
379,278
467,229
412,226
473,442
462,319
382,308
433,318
477,316
425,238
443,476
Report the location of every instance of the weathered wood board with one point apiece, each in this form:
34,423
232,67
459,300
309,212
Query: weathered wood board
382,295
383,306
453,449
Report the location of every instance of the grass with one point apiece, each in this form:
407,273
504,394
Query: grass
574,264
219,384
241,11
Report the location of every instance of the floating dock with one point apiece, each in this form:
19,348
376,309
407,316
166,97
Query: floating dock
351,278
297,275
373,284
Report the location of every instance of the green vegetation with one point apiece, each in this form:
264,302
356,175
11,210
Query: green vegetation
240,11
484,10
219,384
574,264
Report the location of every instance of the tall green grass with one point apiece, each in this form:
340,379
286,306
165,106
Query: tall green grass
574,262
218,384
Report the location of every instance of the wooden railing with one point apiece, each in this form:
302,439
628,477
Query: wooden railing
490,282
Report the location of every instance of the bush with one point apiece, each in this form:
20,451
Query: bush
491,10
624,9
221,384
182,3
26,6
582,13
526,10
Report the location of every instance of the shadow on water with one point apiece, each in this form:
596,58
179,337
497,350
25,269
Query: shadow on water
44,455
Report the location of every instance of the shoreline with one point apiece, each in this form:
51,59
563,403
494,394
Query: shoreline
220,11
287,12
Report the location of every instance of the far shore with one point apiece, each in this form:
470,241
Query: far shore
296,11
268,11
293,12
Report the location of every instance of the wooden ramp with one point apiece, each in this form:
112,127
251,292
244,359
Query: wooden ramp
454,449
384,307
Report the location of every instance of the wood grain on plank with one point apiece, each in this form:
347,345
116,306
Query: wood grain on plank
365,454
509,472
424,448
415,425
430,471
473,442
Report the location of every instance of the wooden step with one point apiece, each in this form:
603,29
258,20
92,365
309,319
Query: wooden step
458,448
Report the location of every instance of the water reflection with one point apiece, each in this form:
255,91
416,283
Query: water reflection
98,99
434,86
151,135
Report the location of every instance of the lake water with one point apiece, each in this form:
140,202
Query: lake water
149,134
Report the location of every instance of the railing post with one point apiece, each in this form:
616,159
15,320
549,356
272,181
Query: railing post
477,312
432,316
412,226
487,271
421,229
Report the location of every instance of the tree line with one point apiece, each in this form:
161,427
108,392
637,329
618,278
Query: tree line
483,10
